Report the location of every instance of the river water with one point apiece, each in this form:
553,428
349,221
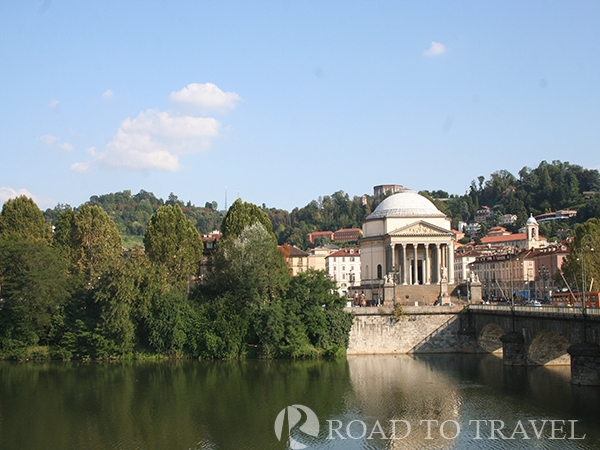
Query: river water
362,402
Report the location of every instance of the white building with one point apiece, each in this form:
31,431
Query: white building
343,267
407,241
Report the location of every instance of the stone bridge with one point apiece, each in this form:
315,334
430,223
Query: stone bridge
522,335
539,336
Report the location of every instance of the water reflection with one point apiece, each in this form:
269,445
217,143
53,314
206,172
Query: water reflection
233,405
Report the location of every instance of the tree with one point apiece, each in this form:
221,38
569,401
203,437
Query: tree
241,215
250,266
21,217
584,254
91,240
33,279
173,242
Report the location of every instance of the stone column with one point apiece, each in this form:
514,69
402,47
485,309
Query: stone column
513,349
585,364
415,270
451,263
438,259
404,265
427,269
390,259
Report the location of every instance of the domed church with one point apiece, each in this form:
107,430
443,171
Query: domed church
407,247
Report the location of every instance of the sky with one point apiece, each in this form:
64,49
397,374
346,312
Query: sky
281,102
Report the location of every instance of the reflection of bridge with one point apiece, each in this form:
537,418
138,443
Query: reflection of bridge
529,335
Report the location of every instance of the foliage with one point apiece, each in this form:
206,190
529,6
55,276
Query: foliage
584,254
399,312
131,213
90,239
252,307
241,215
81,297
173,242
546,188
33,279
250,266
328,213
21,218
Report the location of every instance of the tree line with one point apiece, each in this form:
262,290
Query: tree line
72,292
548,187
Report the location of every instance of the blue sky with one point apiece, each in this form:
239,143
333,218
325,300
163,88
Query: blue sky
287,101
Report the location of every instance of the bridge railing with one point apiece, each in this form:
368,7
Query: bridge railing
538,309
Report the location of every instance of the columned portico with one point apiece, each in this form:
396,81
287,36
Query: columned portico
420,263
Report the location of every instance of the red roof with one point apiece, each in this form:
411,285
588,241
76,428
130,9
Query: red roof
290,251
346,252
506,238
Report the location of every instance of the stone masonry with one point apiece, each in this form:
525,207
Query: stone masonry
423,329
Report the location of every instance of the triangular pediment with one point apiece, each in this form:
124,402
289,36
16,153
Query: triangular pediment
421,228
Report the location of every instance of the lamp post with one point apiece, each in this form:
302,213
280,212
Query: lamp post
543,273
512,293
585,238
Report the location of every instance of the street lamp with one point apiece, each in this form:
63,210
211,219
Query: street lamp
543,273
585,238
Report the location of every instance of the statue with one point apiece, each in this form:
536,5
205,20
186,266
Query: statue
444,273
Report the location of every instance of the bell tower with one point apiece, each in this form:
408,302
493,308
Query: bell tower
532,230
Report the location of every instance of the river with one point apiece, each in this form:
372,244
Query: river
362,402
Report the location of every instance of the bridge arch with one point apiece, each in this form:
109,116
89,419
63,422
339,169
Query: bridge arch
549,347
489,338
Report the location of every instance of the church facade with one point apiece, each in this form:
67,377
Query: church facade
407,247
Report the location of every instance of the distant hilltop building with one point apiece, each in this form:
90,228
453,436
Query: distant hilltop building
563,214
342,235
385,189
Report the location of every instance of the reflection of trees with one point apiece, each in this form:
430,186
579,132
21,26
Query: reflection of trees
160,405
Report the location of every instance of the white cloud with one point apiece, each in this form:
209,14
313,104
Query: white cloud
6,193
154,140
80,167
435,49
205,96
48,139
108,94
53,104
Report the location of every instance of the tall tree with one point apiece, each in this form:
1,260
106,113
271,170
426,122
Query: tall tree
241,215
584,255
91,239
33,281
21,217
250,266
172,241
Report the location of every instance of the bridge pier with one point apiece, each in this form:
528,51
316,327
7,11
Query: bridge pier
513,349
585,364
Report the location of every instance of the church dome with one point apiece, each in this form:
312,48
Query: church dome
531,220
405,203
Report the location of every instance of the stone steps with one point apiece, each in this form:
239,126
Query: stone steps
425,295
